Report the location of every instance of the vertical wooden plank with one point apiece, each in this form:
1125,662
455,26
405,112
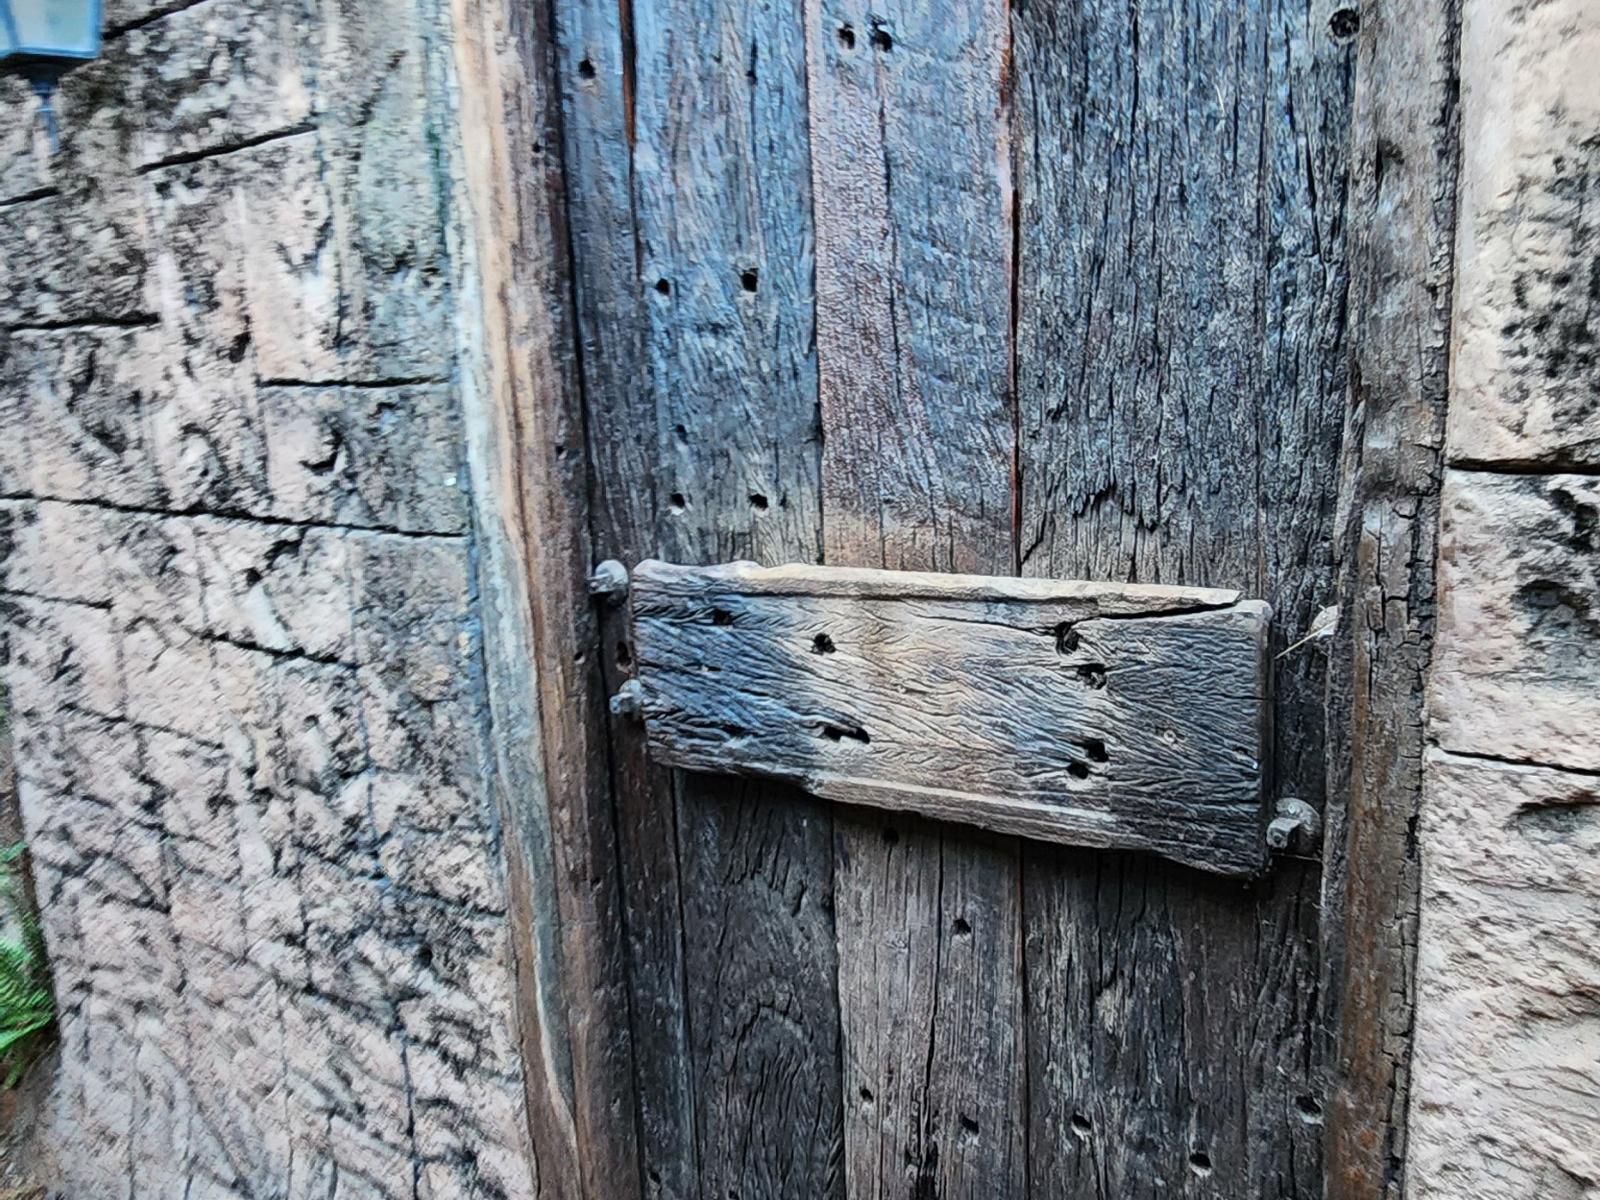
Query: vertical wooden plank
594,70
1180,374
911,178
701,379
523,412
1404,164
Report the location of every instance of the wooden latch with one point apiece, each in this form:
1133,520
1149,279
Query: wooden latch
1091,714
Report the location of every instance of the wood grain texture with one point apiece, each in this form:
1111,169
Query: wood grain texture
913,204
1092,717
524,418
912,192
1403,185
686,141
1181,377
595,79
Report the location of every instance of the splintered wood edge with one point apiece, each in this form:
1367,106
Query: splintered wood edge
858,583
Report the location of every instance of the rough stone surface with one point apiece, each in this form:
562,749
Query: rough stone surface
1527,363
239,625
1519,646
1507,1067
1506,1075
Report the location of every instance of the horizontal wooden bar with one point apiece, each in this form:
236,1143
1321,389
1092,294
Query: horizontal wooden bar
1105,715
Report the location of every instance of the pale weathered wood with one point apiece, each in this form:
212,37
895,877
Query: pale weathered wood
524,418
1181,380
1081,715
1404,151
908,126
691,226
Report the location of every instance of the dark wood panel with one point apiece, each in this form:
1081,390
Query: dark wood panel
1088,714
688,119
594,75
912,196
1405,151
1181,375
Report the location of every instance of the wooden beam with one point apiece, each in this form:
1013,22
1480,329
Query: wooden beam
524,418
1082,713
1404,149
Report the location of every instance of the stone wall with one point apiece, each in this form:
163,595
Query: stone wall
241,634
1506,1091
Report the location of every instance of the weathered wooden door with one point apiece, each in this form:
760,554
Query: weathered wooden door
1053,288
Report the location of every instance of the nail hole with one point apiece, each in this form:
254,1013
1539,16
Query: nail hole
681,433
1092,675
962,925
847,37
1310,1111
881,39
1081,1125
837,733
252,577
424,956
757,500
968,1124
822,644
678,502
866,1094
1200,1162
1345,23
1078,770
749,279
664,286
579,658
586,69
1096,750
1067,639
721,616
